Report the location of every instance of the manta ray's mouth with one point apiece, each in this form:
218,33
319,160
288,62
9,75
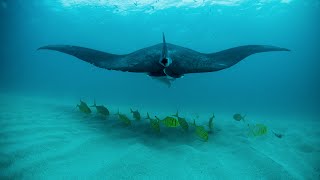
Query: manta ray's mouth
164,61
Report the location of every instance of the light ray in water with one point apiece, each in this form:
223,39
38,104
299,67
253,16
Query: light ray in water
145,5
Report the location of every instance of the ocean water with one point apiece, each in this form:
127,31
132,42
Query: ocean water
44,135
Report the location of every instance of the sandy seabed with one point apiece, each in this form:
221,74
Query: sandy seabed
43,138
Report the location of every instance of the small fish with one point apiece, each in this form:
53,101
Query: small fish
258,130
278,135
169,121
201,132
136,114
124,119
101,109
238,117
154,123
83,107
182,121
135,3
210,124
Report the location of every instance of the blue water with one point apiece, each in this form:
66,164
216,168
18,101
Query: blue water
266,84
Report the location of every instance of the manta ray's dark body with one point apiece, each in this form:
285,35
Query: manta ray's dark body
164,60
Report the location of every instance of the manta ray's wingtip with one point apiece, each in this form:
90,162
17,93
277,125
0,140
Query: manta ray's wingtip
283,49
44,47
40,48
277,48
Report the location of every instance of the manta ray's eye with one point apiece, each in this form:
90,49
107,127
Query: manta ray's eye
164,61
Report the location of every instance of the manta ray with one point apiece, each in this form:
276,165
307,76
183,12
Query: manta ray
164,61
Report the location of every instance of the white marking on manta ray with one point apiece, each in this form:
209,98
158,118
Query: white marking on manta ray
165,80
169,61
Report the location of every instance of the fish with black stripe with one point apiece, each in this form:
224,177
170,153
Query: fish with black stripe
83,107
182,121
136,115
154,123
169,121
124,118
201,132
101,109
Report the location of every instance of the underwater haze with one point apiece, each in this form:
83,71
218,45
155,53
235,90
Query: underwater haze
266,107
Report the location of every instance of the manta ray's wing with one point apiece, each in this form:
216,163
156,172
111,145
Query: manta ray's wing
189,61
232,56
144,60
97,58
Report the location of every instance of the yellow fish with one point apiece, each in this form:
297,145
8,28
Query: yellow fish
136,114
83,107
201,132
124,119
169,121
258,129
182,121
101,109
154,123
239,117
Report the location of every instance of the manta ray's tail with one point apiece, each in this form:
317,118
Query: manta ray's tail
230,57
97,58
